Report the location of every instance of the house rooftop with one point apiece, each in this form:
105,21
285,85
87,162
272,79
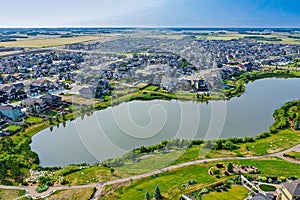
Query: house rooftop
50,96
259,196
293,187
7,107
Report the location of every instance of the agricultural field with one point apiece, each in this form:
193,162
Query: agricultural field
233,36
48,42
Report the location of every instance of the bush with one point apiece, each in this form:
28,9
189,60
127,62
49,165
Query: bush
40,189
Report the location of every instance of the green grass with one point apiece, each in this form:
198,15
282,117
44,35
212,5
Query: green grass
152,88
294,154
48,42
74,194
11,194
13,128
271,166
152,163
169,183
93,175
280,141
235,193
33,120
267,188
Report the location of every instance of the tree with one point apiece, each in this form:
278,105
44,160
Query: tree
112,170
50,120
147,195
157,193
296,126
230,167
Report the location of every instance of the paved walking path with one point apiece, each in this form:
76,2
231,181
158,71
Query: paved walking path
30,191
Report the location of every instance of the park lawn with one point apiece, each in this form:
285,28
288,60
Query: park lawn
267,188
73,194
93,175
237,192
33,120
280,141
152,163
168,182
271,166
48,42
11,194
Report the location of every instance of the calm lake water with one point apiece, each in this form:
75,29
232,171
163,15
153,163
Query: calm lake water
114,131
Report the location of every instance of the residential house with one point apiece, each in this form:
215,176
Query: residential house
290,190
88,92
35,106
51,100
103,88
12,112
15,94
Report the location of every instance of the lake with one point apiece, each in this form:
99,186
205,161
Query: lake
116,130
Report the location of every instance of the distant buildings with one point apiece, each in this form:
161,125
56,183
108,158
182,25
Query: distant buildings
81,46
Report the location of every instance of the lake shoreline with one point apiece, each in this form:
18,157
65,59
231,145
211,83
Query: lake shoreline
177,99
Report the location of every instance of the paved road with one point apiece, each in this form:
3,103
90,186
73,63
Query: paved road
30,191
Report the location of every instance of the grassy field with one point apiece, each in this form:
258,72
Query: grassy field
170,182
11,194
48,42
12,128
33,120
232,36
152,163
74,194
93,175
282,140
235,193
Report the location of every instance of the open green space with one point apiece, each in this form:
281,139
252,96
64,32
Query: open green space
33,120
171,182
235,193
13,128
93,175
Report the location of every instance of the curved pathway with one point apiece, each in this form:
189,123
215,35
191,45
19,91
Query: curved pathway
30,191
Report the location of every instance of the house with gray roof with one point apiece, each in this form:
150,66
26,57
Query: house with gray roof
290,190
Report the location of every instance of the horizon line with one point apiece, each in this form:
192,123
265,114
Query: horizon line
158,27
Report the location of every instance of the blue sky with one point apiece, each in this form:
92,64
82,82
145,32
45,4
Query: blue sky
166,13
